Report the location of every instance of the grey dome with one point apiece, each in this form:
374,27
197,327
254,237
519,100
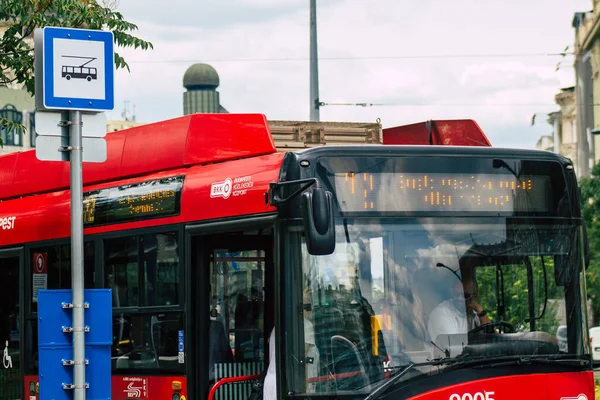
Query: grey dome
200,76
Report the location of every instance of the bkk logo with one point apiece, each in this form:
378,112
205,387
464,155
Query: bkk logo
580,397
221,189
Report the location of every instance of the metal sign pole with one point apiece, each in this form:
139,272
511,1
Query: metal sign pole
77,276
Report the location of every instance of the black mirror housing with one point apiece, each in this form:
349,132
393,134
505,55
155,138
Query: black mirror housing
319,224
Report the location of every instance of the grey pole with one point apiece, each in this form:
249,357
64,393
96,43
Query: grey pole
557,121
77,256
583,154
314,64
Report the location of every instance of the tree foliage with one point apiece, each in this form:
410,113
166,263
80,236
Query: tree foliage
515,296
24,16
590,203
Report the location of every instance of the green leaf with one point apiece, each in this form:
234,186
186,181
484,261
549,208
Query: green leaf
16,54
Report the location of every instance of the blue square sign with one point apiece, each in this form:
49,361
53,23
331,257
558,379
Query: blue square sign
77,69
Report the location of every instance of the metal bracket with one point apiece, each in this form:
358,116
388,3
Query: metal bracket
71,305
69,329
274,195
68,123
72,362
70,386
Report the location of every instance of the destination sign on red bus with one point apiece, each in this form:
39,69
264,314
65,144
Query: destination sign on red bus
445,184
414,192
126,203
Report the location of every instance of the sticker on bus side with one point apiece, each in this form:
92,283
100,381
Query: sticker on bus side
237,187
221,189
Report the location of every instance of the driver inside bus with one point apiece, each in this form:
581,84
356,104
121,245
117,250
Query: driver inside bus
460,314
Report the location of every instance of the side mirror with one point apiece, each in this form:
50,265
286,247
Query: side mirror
319,225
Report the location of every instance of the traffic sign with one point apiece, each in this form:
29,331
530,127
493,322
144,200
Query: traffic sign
74,69
53,140
50,123
56,148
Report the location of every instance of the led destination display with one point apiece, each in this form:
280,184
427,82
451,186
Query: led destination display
144,200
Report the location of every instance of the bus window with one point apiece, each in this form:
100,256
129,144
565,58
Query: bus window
146,341
143,272
161,272
237,313
122,271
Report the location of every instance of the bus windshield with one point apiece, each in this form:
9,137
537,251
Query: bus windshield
398,291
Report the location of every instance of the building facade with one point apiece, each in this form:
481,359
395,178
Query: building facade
587,86
564,139
576,126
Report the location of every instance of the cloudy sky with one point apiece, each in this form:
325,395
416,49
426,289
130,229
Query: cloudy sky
492,61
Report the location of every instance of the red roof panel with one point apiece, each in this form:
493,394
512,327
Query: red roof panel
181,142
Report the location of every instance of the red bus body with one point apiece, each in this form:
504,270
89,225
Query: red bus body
208,149
205,148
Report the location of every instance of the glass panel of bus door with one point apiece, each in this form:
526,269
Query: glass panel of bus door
239,324
10,325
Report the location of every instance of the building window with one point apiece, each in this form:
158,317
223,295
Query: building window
11,137
32,132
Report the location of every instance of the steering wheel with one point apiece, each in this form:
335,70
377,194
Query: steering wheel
489,327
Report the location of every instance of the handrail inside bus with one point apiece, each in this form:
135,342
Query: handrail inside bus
242,378
233,379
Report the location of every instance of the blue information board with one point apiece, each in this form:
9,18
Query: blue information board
55,344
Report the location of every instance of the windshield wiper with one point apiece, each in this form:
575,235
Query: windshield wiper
524,360
396,377
496,361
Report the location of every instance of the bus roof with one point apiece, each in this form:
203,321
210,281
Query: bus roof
195,139
458,132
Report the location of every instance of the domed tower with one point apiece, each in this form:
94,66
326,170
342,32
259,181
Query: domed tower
201,81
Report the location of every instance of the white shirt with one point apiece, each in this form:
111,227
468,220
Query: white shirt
446,319
312,370
270,384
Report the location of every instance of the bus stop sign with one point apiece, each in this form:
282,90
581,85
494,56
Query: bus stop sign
74,69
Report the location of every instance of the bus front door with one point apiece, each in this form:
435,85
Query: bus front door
234,277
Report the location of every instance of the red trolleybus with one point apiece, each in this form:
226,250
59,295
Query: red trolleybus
431,267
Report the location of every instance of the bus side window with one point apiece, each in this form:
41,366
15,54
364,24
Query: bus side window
143,272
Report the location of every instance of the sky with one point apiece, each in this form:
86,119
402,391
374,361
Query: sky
414,60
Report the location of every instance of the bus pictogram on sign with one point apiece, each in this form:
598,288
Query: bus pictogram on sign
80,71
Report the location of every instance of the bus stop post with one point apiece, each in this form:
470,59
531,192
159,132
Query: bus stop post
77,273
